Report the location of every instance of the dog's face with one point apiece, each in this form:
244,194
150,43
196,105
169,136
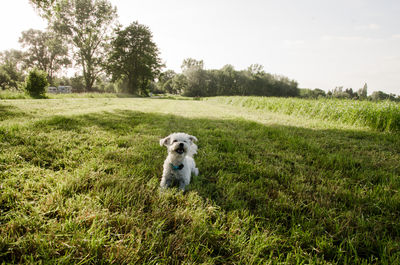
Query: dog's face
178,143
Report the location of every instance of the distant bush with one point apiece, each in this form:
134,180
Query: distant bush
309,93
36,83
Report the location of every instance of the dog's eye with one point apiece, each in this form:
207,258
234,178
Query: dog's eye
174,141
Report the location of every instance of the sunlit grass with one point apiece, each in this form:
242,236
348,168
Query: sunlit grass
79,184
382,115
7,94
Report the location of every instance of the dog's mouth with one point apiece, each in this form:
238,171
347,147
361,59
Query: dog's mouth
180,150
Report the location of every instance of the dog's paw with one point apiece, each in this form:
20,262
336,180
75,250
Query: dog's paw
196,171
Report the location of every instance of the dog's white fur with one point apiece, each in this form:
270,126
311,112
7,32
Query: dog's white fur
181,149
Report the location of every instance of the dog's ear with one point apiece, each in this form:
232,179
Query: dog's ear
192,138
166,141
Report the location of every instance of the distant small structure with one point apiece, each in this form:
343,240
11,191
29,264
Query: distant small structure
59,90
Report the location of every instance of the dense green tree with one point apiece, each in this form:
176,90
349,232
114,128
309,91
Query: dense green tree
195,75
196,83
164,82
11,63
166,76
5,79
179,84
78,83
87,25
134,57
45,50
226,80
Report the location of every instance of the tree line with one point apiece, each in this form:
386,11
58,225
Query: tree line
195,81
340,93
86,35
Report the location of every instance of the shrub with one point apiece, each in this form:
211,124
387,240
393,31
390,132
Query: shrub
36,83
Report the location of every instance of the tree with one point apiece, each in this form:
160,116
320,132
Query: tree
351,94
192,64
195,77
11,62
226,80
179,83
256,70
36,83
87,24
78,83
5,79
134,57
362,92
379,95
45,50
43,5
166,76
339,93
45,8
164,82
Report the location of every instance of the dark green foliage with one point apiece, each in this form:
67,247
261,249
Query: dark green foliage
11,69
5,80
379,95
309,93
36,83
195,81
134,57
78,83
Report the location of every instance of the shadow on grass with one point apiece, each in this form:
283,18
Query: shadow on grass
9,112
303,184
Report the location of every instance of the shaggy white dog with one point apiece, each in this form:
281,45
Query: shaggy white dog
179,164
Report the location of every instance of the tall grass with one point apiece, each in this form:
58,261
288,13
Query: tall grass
381,116
7,94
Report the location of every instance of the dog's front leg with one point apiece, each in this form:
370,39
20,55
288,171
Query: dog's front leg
165,182
166,179
182,184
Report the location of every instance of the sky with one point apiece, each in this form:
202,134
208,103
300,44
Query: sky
319,43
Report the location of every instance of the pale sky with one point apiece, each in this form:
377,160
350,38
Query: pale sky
319,43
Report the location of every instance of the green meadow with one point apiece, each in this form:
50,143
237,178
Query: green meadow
79,182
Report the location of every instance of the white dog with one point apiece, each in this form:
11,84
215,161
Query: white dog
179,163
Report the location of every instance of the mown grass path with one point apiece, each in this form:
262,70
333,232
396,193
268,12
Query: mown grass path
79,183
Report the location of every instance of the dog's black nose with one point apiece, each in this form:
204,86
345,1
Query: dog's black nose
181,145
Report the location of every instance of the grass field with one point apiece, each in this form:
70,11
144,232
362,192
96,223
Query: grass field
6,94
380,116
79,184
